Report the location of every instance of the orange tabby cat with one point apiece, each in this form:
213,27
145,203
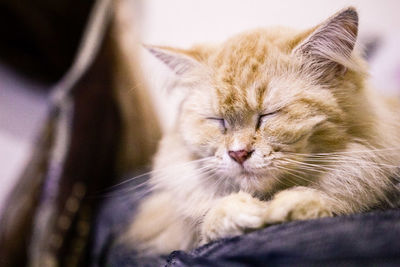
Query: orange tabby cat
277,125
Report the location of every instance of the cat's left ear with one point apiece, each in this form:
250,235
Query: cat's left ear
330,45
177,60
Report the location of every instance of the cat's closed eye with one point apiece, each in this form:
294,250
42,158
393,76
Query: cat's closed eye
264,117
221,122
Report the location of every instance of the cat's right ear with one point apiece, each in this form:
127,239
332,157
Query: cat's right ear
330,45
178,61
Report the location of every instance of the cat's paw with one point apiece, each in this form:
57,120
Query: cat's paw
233,215
299,203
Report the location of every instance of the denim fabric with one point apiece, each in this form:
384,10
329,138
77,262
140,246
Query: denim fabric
369,239
360,240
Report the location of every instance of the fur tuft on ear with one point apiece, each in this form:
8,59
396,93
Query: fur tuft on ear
332,42
179,61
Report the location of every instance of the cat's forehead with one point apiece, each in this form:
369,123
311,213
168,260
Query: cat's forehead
266,95
245,70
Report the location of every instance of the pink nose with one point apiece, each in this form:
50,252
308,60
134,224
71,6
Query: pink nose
240,155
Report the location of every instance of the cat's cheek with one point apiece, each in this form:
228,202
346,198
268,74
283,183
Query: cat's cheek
213,143
201,139
220,154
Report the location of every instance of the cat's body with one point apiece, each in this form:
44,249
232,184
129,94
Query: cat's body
276,125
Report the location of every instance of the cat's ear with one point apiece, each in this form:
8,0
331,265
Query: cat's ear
177,60
330,44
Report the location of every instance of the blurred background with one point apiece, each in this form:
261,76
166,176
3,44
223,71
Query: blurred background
32,64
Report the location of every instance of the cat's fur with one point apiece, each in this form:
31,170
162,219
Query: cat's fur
319,141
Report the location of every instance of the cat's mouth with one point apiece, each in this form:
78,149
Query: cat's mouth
248,171
255,168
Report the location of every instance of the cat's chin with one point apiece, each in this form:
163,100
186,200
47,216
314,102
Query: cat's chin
255,180
252,172
247,174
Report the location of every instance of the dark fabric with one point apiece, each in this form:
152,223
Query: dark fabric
117,211
98,128
47,220
362,239
356,240
39,38
17,217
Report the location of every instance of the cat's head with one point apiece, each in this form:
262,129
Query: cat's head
262,101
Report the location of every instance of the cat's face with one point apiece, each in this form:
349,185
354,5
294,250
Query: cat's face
256,107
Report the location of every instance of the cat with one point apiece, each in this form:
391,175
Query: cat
276,125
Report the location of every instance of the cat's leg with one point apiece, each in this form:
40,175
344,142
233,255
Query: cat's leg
240,212
233,215
298,203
